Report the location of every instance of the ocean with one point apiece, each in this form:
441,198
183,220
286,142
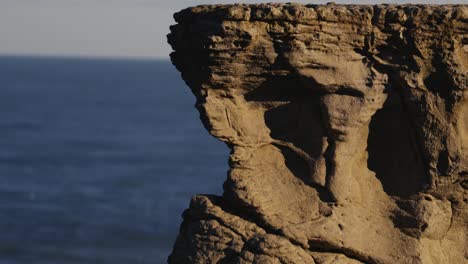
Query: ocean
98,160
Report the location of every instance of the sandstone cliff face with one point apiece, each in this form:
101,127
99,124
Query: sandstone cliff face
348,129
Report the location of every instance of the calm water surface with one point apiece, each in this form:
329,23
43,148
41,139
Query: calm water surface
98,159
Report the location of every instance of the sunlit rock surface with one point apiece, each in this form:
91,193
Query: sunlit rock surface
348,129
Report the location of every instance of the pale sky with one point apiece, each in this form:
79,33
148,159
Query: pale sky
104,28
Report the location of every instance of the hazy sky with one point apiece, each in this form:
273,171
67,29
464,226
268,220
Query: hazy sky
117,28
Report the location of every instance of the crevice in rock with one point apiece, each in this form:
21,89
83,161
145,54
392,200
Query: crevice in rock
244,212
443,163
330,164
324,246
349,92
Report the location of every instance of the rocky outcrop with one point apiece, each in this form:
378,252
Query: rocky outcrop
348,130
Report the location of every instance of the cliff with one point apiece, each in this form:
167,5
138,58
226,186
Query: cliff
348,130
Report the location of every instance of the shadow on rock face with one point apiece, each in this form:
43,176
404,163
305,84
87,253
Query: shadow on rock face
295,123
393,153
293,113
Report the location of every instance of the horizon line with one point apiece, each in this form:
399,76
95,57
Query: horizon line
83,56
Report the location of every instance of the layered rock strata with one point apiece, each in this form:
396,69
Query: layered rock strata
348,130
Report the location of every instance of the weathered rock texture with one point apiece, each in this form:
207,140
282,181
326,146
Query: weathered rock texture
348,129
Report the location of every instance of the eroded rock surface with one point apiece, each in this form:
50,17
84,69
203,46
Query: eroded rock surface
348,129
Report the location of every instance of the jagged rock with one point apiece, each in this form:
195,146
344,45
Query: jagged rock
348,129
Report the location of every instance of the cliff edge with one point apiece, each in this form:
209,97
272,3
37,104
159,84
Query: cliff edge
348,130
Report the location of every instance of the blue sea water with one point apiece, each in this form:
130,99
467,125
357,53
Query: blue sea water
98,159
